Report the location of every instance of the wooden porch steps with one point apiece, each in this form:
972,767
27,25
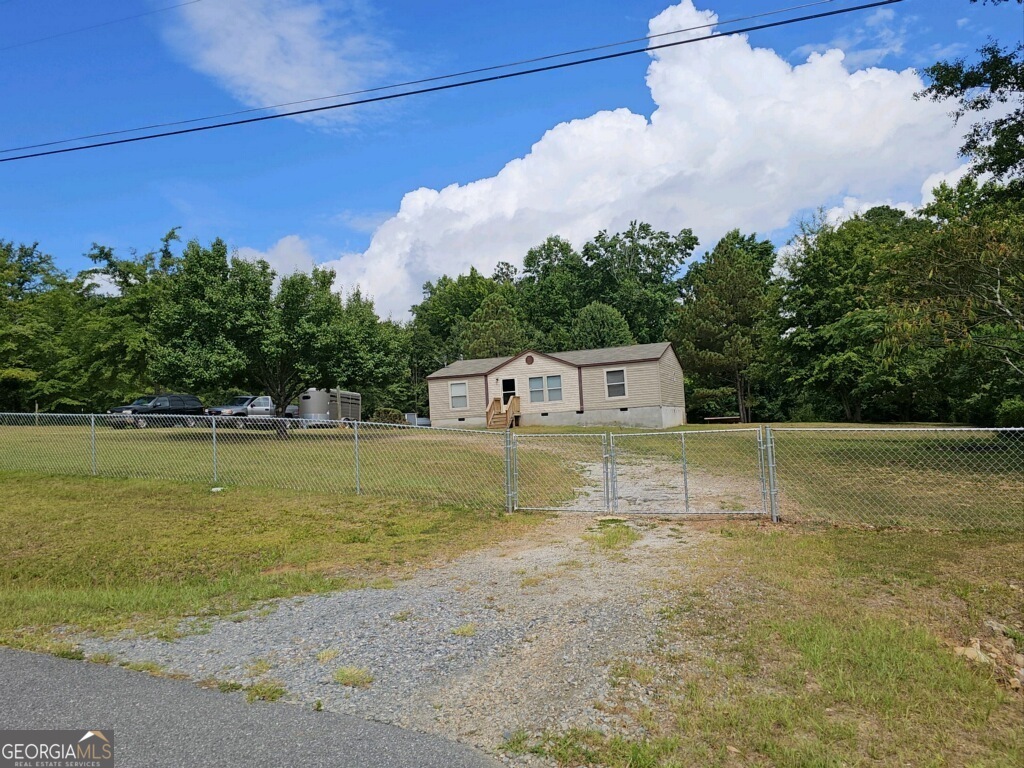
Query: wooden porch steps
497,418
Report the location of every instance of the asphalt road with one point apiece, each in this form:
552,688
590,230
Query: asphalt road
159,722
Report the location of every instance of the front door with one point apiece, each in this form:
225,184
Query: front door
508,390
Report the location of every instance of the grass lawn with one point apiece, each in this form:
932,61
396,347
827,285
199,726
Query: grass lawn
104,555
443,466
826,648
916,478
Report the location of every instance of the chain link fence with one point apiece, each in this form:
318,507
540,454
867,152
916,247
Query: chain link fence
696,472
453,466
931,478
562,472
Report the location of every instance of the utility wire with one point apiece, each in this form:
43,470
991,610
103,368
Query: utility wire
97,26
408,83
460,84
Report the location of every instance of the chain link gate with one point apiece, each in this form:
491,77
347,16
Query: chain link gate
699,472
561,473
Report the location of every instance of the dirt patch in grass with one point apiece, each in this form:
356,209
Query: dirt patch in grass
106,555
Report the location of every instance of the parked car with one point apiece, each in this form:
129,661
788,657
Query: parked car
243,406
249,406
159,411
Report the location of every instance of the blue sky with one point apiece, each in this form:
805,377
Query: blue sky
317,191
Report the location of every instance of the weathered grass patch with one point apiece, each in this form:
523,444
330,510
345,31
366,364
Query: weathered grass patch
353,677
826,648
105,555
265,690
327,655
612,534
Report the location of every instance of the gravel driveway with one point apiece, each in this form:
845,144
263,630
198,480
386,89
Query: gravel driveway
520,636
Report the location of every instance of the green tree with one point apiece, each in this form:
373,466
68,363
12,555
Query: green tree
963,285
636,271
598,326
375,361
194,324
38,307
834,310
116,339
727,301
556,285
996,144
438,320
495,329
223,324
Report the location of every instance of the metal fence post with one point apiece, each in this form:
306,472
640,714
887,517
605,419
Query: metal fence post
761,469
509,504
686,473
606,480
773,482
515,473
359,487
92,439
614,475
213,428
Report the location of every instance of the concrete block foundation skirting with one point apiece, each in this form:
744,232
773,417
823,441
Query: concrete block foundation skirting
644,417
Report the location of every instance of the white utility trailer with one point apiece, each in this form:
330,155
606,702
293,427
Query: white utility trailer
330,405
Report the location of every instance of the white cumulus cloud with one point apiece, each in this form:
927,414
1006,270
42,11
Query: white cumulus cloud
278,51
739,138
288,255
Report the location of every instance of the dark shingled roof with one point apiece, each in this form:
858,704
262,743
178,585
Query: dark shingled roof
579,358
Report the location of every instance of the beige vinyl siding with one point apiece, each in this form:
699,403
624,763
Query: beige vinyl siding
643,386
673,391
542,366
440,401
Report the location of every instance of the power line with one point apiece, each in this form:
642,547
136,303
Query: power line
97,26
460,84
411,82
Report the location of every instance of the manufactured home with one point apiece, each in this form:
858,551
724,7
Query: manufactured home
635,386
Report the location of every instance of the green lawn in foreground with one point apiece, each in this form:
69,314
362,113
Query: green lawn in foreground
823,648
102,554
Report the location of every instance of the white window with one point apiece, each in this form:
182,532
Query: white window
552,393
459,393
616,382
536,389
554,388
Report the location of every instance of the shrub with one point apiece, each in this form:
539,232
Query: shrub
388,416
1010,413
702,402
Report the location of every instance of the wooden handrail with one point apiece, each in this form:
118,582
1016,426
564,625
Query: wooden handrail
512,411
493,409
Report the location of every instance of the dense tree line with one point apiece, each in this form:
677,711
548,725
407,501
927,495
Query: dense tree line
199,321
885,316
